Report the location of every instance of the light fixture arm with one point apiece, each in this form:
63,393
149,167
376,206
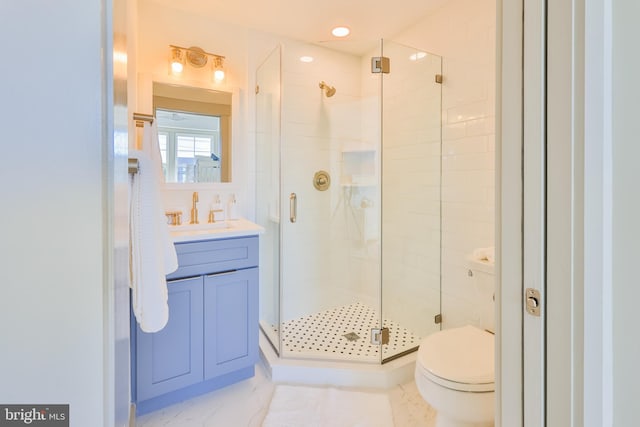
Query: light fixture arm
197,51
197,58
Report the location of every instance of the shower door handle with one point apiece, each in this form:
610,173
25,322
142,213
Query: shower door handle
293,207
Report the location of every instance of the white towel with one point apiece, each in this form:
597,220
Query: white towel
153,254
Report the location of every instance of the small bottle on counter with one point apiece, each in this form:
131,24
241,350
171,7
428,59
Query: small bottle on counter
218,208
232,208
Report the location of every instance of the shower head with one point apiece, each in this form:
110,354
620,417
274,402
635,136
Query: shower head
329,91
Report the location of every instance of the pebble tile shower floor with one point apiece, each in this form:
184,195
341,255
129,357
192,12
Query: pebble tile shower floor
342,333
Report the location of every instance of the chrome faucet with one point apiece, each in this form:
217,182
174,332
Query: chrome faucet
194,209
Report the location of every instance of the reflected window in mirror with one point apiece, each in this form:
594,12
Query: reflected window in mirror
190,145
194,133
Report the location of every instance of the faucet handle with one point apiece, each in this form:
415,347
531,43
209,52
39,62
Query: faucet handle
212,215
174,217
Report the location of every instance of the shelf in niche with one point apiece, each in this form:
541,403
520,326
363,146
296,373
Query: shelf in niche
358,148
358,184
360,181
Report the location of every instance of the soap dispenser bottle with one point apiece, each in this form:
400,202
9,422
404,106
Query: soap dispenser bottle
232,208
218,209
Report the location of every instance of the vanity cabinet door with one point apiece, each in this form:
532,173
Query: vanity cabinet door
173,357
231,321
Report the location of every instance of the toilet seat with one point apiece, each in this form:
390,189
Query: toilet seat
459,359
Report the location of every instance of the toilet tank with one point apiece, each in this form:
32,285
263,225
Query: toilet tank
481,281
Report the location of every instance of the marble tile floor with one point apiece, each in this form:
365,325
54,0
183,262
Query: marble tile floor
245,404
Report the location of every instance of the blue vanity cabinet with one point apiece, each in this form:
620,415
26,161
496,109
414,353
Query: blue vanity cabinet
211,338
173,357
232,317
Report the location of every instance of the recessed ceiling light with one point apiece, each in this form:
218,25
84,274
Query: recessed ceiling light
418,55
340,31
306,58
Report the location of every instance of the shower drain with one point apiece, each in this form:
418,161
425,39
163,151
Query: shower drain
352,336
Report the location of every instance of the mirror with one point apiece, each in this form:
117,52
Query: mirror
194,133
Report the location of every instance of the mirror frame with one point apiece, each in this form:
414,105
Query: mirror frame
206,100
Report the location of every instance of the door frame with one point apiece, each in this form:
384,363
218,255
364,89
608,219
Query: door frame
579,211
579,277
509,212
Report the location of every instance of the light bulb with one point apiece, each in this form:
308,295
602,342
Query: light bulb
218,70
177,61
176,67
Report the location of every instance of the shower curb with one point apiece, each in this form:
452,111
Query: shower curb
334,373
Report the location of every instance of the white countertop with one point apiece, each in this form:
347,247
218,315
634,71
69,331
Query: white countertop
219,230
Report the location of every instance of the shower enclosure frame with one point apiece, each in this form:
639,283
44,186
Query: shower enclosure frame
276,59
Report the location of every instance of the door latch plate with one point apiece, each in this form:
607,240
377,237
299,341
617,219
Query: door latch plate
532,301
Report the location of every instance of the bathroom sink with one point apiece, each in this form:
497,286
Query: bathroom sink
215,230
202,226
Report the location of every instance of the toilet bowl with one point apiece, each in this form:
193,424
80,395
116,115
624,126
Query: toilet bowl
455,375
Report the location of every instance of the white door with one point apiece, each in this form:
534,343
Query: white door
555,160
553,212
534,209
521,125
509,214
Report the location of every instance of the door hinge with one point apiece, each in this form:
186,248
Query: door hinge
380,64
439,78
379,336
437,319
257,89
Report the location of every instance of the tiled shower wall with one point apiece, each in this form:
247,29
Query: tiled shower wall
315,129
463,33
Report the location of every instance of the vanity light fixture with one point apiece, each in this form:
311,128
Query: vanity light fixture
197,58
177,61
341,31
218,69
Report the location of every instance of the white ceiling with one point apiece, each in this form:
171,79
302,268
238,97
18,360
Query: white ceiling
312,20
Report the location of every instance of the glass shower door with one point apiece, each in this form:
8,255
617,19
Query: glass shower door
330,206
268,192
411,196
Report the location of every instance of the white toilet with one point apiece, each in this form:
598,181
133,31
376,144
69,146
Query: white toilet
455,367
455,375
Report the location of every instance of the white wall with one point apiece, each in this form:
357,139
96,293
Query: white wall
158,27
626,211
463,33
52,269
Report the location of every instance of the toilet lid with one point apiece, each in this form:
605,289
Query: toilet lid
463,356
